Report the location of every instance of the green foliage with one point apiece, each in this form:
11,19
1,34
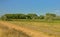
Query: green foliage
50,16
19,16
41,17
32,16
47,17
4,18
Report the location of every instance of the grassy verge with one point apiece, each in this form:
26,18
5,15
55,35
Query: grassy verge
35,20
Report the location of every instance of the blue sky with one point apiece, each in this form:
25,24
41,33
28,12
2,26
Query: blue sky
30,6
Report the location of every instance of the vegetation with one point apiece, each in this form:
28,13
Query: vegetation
49,23
19,16
50,17
51,29
47,17
9,32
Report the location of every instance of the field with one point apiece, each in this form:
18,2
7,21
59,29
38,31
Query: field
20,28
9,32
48,28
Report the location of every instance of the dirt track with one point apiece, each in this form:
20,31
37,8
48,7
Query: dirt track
29,32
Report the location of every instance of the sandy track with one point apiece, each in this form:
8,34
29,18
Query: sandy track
29,32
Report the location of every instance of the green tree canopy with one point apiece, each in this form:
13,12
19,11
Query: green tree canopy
50,16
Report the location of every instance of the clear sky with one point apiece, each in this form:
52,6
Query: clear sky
29,6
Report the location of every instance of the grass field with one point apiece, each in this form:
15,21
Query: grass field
6,32
49,28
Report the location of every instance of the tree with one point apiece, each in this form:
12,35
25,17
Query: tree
41,17
4,18
22,16
50,16
31,16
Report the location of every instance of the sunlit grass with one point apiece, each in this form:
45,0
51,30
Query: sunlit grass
49,28
6,32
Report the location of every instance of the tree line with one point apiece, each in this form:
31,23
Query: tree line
47,16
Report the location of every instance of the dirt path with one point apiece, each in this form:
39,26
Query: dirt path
29,32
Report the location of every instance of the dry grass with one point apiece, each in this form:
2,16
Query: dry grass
48,28
6,32
30,32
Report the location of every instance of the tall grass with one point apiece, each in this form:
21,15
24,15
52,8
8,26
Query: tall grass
6,32
49,28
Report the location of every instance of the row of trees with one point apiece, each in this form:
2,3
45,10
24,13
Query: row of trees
19,16
48,16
